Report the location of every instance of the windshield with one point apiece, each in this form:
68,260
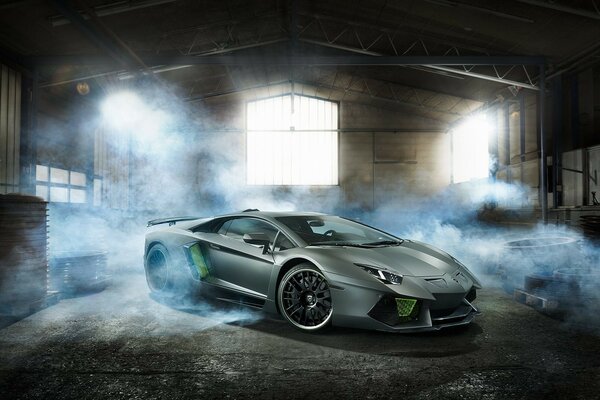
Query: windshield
329,230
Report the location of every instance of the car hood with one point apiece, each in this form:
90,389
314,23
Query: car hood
411,258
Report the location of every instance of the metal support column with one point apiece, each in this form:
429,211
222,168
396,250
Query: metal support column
522,128
557,131
494,147
574,113
541,116
507,139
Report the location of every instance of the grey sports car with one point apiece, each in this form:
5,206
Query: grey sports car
313,269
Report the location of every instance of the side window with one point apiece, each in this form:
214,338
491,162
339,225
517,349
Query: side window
283,243
223,229
240,226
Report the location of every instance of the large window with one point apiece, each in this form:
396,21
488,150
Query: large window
292,140
470,154
60,185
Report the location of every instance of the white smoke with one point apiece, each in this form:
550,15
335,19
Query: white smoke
185,163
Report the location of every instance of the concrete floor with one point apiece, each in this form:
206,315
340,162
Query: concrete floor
121,343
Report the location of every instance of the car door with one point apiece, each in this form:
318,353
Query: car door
244,266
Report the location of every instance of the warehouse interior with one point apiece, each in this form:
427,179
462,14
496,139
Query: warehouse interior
470,125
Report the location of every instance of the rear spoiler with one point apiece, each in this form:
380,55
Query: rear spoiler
171,221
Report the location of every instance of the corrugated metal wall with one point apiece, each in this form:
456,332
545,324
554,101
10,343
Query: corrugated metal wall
10,129
111,167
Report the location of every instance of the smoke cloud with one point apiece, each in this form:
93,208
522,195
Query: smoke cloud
184,160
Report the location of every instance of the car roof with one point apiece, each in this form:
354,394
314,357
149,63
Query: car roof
271,214
268,215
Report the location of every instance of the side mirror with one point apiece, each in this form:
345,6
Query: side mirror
259,239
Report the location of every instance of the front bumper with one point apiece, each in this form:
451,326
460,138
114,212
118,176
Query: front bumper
357,306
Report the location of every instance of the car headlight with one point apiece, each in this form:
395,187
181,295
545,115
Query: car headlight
383,275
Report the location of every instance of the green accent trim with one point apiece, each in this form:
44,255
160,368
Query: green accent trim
408,309
405,306
198,260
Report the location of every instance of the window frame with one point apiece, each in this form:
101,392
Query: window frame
280,233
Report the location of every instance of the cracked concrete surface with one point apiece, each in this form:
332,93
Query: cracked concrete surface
121,343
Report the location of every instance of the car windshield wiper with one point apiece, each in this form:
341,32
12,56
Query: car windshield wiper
384,243
333,243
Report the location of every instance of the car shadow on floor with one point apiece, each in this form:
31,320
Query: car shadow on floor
444,343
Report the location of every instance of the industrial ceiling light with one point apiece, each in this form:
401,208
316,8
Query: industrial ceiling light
83,88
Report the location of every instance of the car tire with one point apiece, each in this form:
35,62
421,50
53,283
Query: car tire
304,298
159,274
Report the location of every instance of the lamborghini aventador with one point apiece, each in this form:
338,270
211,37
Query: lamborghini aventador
315,270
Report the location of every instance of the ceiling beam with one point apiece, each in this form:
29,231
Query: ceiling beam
123,74
318,85
110,9
551,5
448,38
100,40
381,98
204,96
277,59
472,74
408,86
443,66
496,13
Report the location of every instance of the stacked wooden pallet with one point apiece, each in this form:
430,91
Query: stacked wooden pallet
591,226
78,272
23,255
558,295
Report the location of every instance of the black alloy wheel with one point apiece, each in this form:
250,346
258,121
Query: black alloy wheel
304,298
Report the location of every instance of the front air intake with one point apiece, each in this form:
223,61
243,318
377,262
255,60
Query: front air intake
395,310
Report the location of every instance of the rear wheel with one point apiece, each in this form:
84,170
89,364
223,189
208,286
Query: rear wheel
304,298
158,273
